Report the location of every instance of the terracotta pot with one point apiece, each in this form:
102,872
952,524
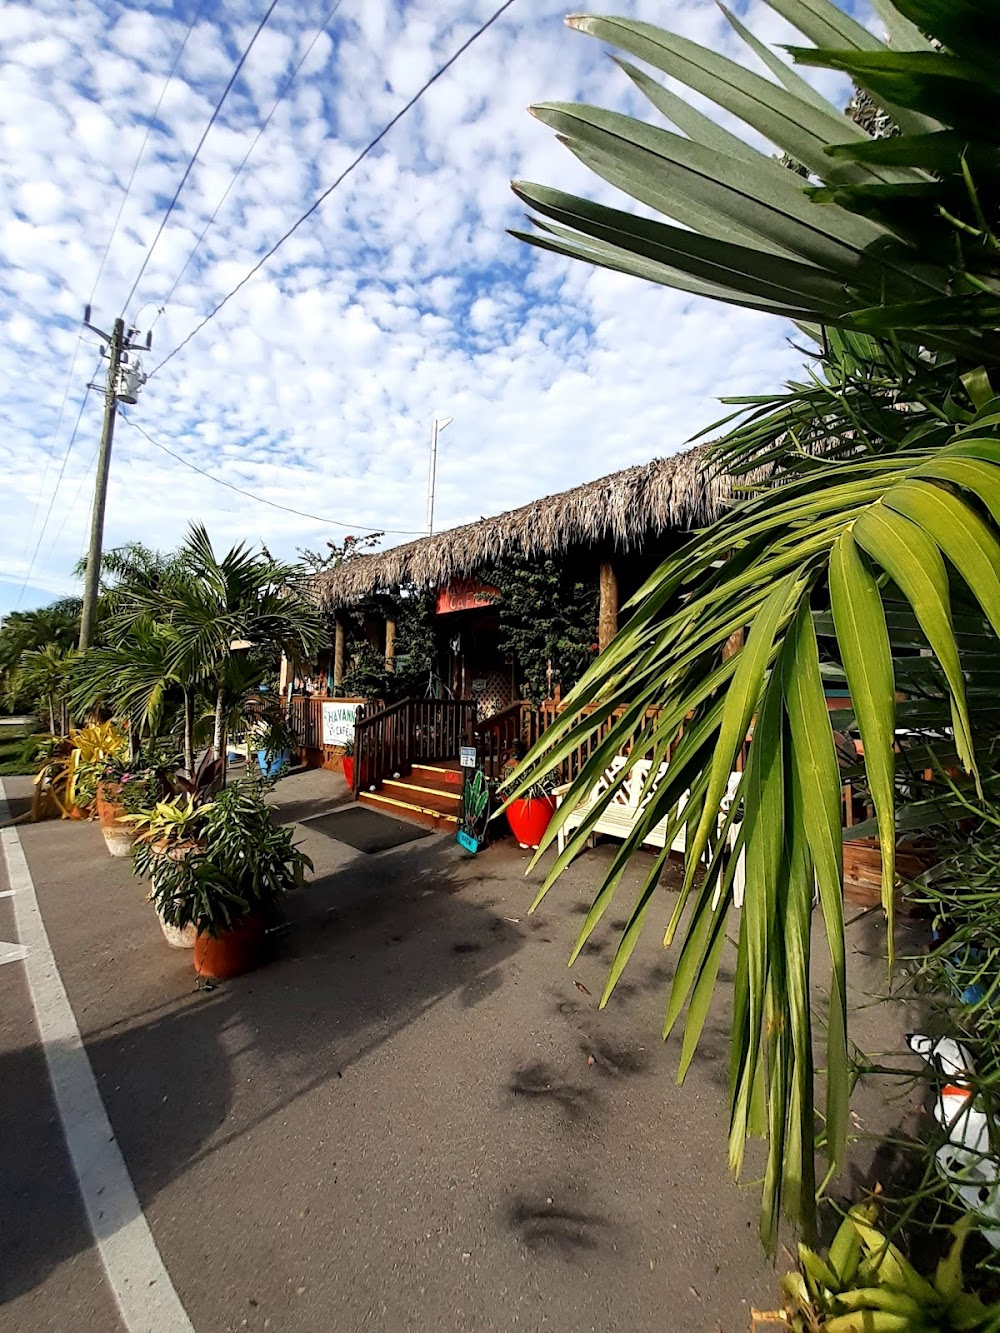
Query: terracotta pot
528,819
347,763
234,951
118,838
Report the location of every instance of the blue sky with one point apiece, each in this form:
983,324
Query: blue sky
402,297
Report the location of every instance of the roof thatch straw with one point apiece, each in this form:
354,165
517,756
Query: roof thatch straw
622,510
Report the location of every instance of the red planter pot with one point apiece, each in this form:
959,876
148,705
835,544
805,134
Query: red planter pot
347,763
236,950
529,819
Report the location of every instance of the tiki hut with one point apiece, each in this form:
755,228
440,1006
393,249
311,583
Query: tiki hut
612,532
623,512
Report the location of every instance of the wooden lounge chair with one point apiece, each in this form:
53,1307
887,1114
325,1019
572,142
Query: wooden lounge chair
619,816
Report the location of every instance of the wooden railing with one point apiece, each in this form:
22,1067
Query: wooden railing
391,740
497,738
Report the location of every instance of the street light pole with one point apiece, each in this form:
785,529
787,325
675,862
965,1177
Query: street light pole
439,425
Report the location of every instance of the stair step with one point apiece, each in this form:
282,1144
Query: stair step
444,773
409,790
421,813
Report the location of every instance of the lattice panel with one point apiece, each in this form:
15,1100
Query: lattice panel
493,692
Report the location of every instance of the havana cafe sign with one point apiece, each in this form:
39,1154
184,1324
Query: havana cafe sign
338,722
465,595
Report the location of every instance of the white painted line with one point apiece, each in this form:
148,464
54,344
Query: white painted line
11,953
7,893
146,1297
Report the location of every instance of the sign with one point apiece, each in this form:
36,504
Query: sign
465,595
467,756
338,722
469,843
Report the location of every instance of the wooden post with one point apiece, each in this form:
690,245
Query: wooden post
607,616
338,656
390,645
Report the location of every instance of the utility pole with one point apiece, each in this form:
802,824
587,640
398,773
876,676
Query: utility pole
124,380
436,429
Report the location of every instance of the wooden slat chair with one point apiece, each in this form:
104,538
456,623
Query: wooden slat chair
620,814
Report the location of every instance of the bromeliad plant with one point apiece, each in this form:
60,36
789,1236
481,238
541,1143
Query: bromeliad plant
897,498
867,1285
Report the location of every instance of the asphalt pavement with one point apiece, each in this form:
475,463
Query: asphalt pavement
413,1117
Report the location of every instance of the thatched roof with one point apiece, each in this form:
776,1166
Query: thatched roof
621,510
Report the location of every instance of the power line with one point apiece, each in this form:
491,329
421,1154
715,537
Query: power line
62,470
340,179
142,149
281,97
316,518
93,292
194,156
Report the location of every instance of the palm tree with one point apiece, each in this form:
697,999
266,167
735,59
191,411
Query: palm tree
31,631
880,518
221,608
42,678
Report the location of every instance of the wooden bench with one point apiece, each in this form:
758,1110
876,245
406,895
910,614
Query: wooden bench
619,816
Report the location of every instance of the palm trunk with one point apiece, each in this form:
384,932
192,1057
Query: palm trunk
188,731
219,737
52,716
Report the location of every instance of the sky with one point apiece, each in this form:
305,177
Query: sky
402,298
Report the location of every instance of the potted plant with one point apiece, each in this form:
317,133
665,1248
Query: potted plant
347,763
165,836
275,740
236,864
529,814
69,766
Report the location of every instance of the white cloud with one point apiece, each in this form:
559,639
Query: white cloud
403,296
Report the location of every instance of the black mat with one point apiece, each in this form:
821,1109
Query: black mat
367,830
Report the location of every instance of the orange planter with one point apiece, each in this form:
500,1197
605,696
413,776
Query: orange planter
118,838
236,950
347,763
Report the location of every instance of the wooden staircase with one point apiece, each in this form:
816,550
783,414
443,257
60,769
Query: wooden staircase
430,795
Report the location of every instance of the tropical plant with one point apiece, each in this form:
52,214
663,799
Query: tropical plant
69,766
548,621
243,601
867,1285
239,861
56,627
42,680
901,504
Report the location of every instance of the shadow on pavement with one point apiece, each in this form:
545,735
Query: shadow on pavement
365,951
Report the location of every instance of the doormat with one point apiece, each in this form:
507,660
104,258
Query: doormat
365,829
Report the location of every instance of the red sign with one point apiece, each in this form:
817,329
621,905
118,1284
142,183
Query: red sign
464,595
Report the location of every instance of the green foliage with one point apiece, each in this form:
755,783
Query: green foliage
904,243
412,611
548,621
878,523
867,1285
54,627
237,860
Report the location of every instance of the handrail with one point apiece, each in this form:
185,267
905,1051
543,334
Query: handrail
394,738
497,737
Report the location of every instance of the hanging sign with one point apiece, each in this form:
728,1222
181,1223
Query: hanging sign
465,595
338,723
467,756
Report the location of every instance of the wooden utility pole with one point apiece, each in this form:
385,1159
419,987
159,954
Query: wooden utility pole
119,387
390,645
